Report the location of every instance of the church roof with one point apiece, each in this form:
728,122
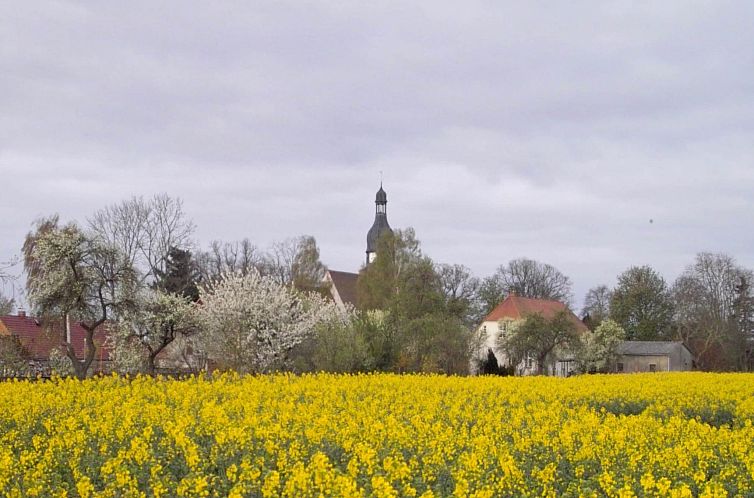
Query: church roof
379,226
345,285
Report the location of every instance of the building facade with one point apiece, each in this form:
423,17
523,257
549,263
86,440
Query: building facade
653,356
505,316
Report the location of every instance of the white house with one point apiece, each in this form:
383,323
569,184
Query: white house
515,309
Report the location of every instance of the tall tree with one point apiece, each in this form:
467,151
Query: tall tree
528,278
378,281
706,298
307,270
181,275
223,258
596,305
144,231
71,276
423,327
460,289
641,305
743,309
491,292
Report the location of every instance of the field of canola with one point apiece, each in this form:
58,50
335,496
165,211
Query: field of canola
685,434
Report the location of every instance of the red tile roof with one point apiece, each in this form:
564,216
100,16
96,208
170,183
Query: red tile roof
39,339
518,308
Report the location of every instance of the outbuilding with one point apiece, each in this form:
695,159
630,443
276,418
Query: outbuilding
653,356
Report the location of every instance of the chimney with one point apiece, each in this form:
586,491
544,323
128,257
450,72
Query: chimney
22,312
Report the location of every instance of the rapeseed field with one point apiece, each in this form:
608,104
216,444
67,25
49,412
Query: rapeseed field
684,434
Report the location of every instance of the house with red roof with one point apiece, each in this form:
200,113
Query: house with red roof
514,309
37,341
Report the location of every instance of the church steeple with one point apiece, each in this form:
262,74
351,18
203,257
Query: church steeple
379,226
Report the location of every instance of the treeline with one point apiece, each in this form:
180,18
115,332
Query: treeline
134,267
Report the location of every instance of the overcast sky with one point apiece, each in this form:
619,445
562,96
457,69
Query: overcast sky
551,130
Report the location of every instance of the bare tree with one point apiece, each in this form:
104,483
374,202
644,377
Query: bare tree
597,305
705,298
144,231
460,289
229,257
295,262
279,260
528,278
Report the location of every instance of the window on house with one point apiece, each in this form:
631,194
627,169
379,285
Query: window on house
484,328
620,367
653,367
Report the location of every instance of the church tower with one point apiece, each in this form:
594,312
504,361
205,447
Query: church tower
379,226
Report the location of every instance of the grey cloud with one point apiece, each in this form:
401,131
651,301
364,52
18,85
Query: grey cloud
552,130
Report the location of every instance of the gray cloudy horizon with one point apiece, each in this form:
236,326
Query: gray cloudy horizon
554,131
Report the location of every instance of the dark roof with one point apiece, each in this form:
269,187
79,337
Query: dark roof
345,284
649,348
381,197
39,339
379,227
517,308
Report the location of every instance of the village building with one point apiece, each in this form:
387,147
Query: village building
342,287
35,341
503,318
653,356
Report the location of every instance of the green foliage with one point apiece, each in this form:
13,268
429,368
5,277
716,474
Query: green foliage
541,338
181,275
491,292
340,347
641,305
12,357
423,328
307,269
6,305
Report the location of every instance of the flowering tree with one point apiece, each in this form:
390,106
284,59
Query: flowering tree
156,321
599,348
250,322
73,276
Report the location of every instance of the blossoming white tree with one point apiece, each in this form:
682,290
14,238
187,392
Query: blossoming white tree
71,276
251,322
156,321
